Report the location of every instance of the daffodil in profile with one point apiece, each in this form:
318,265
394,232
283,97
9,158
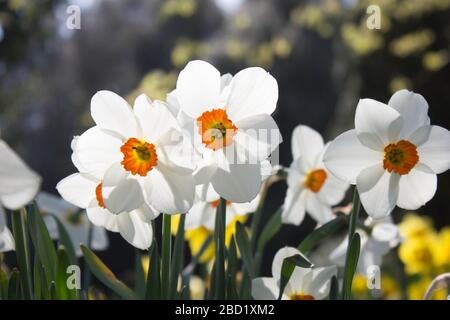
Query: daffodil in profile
138,153
304,284
311,187
18,186
393,155
230,124
86,191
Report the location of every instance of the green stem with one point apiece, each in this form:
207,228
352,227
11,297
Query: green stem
166,256
87,272
22,250
351,231
256,219
219,239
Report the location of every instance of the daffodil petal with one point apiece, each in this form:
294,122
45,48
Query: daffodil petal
111,112
134,228
413,108
18,183
78,189
377,119
265,289
346,157
320,284
97,150
252,91
294,207
416,189
198,88
435,152
103,218
306,143
257,137
6,239
378,190
241,183
169,192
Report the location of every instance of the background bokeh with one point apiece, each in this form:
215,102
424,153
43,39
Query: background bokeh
321,52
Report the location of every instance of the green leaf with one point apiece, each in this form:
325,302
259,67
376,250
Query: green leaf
62,290
43,244
166,255
14,289
105,275
351,262
219,240
232,267
153,276
270,230
3,285
334,289
52,291
66,241
288,268
177,258
37,277
22,251
245,249
139,274
328,229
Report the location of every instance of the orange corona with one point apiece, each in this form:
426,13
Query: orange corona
99,196
216,129
315,180
400,157
299,296
139,157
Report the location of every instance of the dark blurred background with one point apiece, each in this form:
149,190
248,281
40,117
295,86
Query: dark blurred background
321,52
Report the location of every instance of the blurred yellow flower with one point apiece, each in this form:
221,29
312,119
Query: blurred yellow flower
390,287
414,226
442,249
417,289
417,254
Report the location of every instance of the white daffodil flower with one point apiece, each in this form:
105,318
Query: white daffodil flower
304,284
383,237
18,186
392,155
86,192
137,153
75,222
230,125
203,213
311,187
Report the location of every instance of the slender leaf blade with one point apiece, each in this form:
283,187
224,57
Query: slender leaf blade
105,275
351,262
245,249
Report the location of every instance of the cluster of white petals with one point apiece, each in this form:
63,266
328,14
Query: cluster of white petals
137,162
